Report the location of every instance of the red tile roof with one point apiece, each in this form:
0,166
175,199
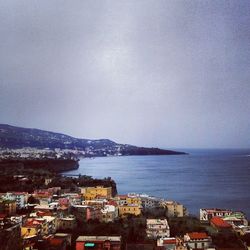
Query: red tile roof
197,236
32,223
218,222
169,241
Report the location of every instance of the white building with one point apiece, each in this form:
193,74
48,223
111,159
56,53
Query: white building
198,241
157,228
236,219
109,213
149,202
206,214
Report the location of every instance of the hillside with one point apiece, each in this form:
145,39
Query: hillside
12,137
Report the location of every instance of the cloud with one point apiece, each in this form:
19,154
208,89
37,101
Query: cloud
165,73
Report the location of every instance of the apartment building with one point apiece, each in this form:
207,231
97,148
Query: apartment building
157,228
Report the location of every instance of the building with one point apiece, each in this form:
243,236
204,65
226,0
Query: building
64,236
93,213
133,199
125,210
20,198
43,193
7,206
157,228
98,242
198,240
47,181
63,202
86,213
79,211
66,223
39,226
129,199
206,214
236,219
121,199
167,243
220,225
31,228
74,198
58,241
109,213
149,202
174,209
91,193
98,203
242,230
44,208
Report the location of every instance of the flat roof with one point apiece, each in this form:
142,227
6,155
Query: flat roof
216,210
157,221
99,238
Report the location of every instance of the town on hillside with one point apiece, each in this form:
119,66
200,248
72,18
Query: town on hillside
81,213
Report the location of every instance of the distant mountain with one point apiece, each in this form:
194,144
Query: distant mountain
12,137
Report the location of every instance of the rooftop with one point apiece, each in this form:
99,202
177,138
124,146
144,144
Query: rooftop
169,241
218,222
157,221
197,236
211,210
99,238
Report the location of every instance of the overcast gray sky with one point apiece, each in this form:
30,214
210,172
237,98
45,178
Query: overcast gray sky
153,73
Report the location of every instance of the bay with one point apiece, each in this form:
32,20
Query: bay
203,178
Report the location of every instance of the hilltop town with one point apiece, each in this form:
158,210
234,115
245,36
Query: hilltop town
57,212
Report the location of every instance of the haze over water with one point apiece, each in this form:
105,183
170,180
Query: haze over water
204,178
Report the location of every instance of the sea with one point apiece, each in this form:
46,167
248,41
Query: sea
204,178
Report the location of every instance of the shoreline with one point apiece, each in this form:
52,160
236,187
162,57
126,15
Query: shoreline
53,165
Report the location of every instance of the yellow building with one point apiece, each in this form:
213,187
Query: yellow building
39,226
91,193
129,209
133,200
128,200
31,228
174,209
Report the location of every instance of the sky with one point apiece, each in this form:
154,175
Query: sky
171,74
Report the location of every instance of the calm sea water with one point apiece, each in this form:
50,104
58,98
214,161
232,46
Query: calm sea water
204,178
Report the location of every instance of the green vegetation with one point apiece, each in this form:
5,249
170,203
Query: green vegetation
182,225
132,229
28,179
228,240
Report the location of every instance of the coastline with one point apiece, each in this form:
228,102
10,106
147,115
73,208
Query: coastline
54,165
